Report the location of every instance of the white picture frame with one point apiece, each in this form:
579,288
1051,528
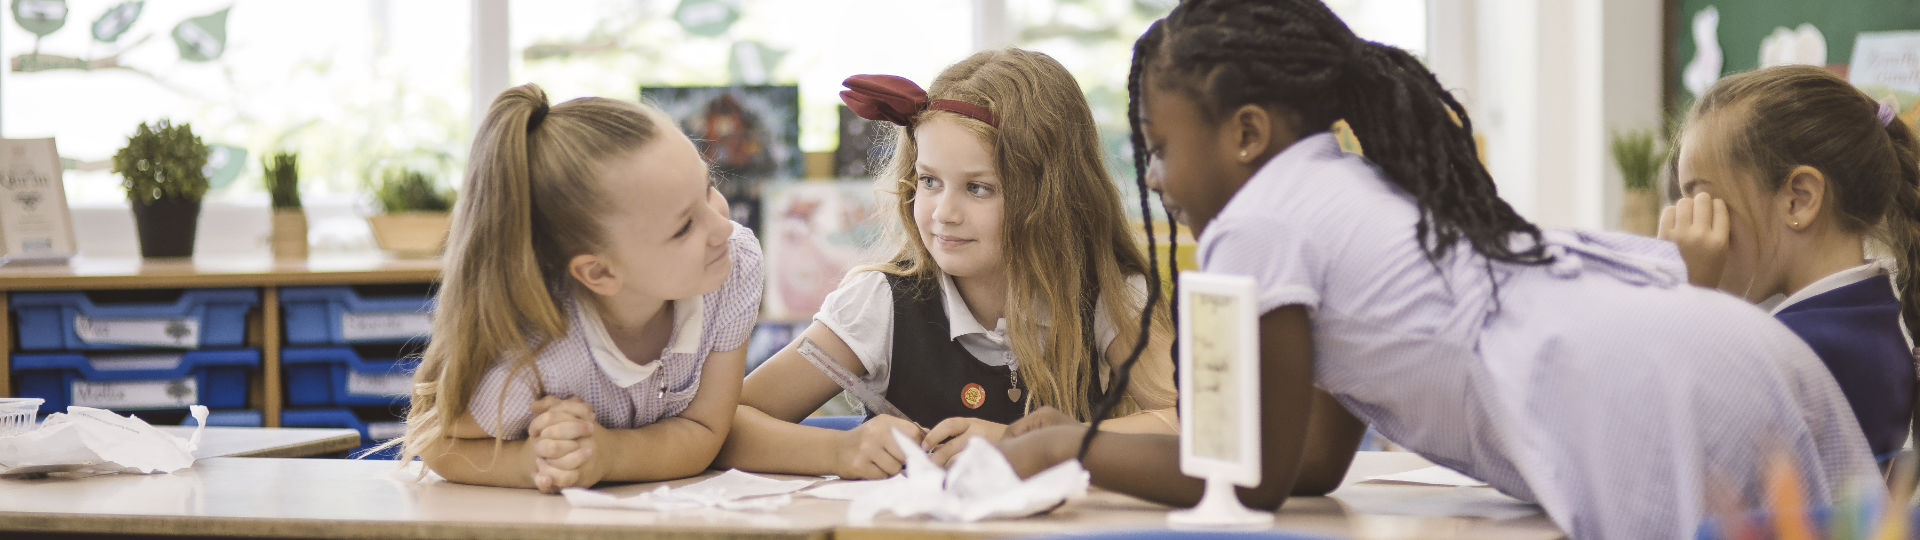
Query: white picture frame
1219,378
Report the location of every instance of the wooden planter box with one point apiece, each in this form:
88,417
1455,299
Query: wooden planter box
411,234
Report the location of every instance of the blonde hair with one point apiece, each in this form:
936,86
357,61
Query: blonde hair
527,207
1062,212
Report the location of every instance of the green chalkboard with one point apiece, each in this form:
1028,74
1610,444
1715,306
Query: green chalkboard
1743,23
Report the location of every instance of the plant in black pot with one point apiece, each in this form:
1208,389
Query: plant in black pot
162,169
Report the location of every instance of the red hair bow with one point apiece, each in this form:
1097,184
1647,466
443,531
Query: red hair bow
895,99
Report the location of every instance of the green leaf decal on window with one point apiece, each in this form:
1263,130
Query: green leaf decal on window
204,38
707,17
224,163
115,22
41,17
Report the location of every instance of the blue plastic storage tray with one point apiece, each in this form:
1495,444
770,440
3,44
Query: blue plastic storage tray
70,321
215,378
340,316
371,433
333,376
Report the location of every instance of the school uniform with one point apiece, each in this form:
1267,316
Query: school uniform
586,363
1599,386
1852,320
926,353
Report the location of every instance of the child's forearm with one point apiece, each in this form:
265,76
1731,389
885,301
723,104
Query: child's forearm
1148,466
761,443
674,447
486,462
1160,421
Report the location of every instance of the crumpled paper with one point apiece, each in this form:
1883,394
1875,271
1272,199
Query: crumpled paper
979,485
731,490
85,440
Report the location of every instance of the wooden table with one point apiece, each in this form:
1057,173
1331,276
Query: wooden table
1355,510
253,272
270,497
305,498
220,441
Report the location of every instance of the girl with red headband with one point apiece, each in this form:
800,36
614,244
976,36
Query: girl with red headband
1013,280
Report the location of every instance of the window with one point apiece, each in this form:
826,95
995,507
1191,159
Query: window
354,86
575,48
1094,39
357,86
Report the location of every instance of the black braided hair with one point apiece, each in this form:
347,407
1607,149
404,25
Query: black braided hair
1298,55
1141,50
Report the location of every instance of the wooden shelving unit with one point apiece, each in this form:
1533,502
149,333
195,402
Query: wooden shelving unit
261,273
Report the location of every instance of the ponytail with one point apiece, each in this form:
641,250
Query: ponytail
526,207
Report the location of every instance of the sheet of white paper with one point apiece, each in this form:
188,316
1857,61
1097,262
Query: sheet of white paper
980,485
86,440
1455,502
847,490
1433,476
731,490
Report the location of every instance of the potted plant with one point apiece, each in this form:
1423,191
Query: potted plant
289,238
162,168
413,216
1638,159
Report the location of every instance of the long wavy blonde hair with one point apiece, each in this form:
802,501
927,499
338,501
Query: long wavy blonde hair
532,188
1064,235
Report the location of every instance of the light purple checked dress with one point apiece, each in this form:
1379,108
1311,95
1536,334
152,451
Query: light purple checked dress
1601,386
624,395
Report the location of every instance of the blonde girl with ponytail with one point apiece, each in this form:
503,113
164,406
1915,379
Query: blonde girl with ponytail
594,305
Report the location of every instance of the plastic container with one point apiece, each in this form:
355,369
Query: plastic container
239,418
320,316
335,376
74,321
372,431
16,414
125,382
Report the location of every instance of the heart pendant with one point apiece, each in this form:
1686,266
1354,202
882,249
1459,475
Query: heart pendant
1013,394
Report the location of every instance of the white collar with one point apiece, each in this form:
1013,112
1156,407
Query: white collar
960,319
1835,280
688,325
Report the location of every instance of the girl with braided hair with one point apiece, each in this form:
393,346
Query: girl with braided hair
1575,370
1786,172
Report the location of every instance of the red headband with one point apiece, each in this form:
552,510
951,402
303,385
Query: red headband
895,99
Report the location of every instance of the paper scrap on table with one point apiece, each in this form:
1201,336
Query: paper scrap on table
851,489
1434,476
732,490
85,440
979,485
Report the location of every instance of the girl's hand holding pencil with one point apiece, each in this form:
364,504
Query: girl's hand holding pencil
867,452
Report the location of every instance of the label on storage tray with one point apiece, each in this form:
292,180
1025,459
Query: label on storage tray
397,384
384,326
183,332
171,394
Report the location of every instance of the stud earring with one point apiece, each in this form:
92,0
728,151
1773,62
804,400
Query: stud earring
1795,224
1243,154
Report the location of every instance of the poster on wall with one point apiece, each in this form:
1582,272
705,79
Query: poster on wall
1886,65
750,135
35,224
864,146
816,232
